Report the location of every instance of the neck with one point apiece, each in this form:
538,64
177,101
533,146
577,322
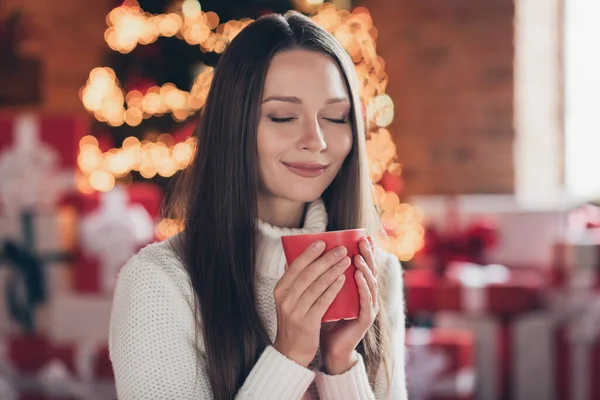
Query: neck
280,212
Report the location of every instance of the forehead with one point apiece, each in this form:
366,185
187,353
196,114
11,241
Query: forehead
304,73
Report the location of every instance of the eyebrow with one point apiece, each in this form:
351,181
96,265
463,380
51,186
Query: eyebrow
296,100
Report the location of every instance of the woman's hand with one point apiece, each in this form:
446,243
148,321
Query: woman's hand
303,295
339,339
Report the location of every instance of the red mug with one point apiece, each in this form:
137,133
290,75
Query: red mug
346,304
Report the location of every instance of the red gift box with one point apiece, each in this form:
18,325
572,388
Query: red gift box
38,160
485,300
421,290
557,357
491,344
146,194
87,369
440,364
29,353
426,292
142,200
61,132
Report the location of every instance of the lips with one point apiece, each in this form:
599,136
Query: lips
307,170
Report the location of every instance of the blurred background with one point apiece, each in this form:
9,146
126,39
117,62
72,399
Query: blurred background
482,141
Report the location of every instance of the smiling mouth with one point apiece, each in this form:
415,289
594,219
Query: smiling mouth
306,170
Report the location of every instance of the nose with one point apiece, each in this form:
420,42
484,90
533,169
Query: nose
313,138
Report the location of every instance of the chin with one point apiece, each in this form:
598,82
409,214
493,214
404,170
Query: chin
301,194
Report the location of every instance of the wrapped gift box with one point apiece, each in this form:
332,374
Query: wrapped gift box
519,293
38,160
38,155
421,291
147,195
113,227
489,341
61,132
49,236
440,364
34,367
557,356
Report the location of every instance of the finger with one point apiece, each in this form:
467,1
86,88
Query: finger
317,311
308,256
312,293
367,252
312,272
371,242
365,297
369,278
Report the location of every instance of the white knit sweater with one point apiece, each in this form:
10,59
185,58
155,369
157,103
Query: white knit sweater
152,335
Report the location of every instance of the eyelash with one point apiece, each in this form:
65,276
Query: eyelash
338,121
282,120
332,120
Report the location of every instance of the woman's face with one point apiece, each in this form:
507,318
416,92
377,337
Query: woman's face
304,133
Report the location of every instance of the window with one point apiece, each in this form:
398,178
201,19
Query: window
557,101
582,97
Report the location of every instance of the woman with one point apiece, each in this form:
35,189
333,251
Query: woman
214,313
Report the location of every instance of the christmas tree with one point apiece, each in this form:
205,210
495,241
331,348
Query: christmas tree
146,100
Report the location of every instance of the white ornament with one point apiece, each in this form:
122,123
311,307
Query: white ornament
30,178
113,233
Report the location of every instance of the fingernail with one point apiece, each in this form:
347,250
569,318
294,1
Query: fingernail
372,241
340,251
367,243
318,245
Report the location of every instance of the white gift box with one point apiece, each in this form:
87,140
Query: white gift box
485,330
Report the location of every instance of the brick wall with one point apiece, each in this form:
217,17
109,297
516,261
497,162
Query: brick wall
450,68
67,37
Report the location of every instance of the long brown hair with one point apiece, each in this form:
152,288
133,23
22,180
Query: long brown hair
218,199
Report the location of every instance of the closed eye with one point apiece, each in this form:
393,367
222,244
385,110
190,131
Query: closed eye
337,121
282,120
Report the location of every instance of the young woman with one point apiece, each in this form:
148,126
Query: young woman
215,313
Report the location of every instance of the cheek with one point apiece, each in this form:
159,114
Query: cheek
342,146
264,142
271,145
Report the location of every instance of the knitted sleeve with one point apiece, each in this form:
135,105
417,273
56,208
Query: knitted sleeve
354,384
152,342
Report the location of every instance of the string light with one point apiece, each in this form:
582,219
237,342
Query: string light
129,26
102,169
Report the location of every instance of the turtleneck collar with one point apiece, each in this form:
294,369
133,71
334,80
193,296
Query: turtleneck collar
270,259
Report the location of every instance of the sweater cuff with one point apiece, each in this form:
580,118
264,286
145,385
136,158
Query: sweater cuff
276,377
351,385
